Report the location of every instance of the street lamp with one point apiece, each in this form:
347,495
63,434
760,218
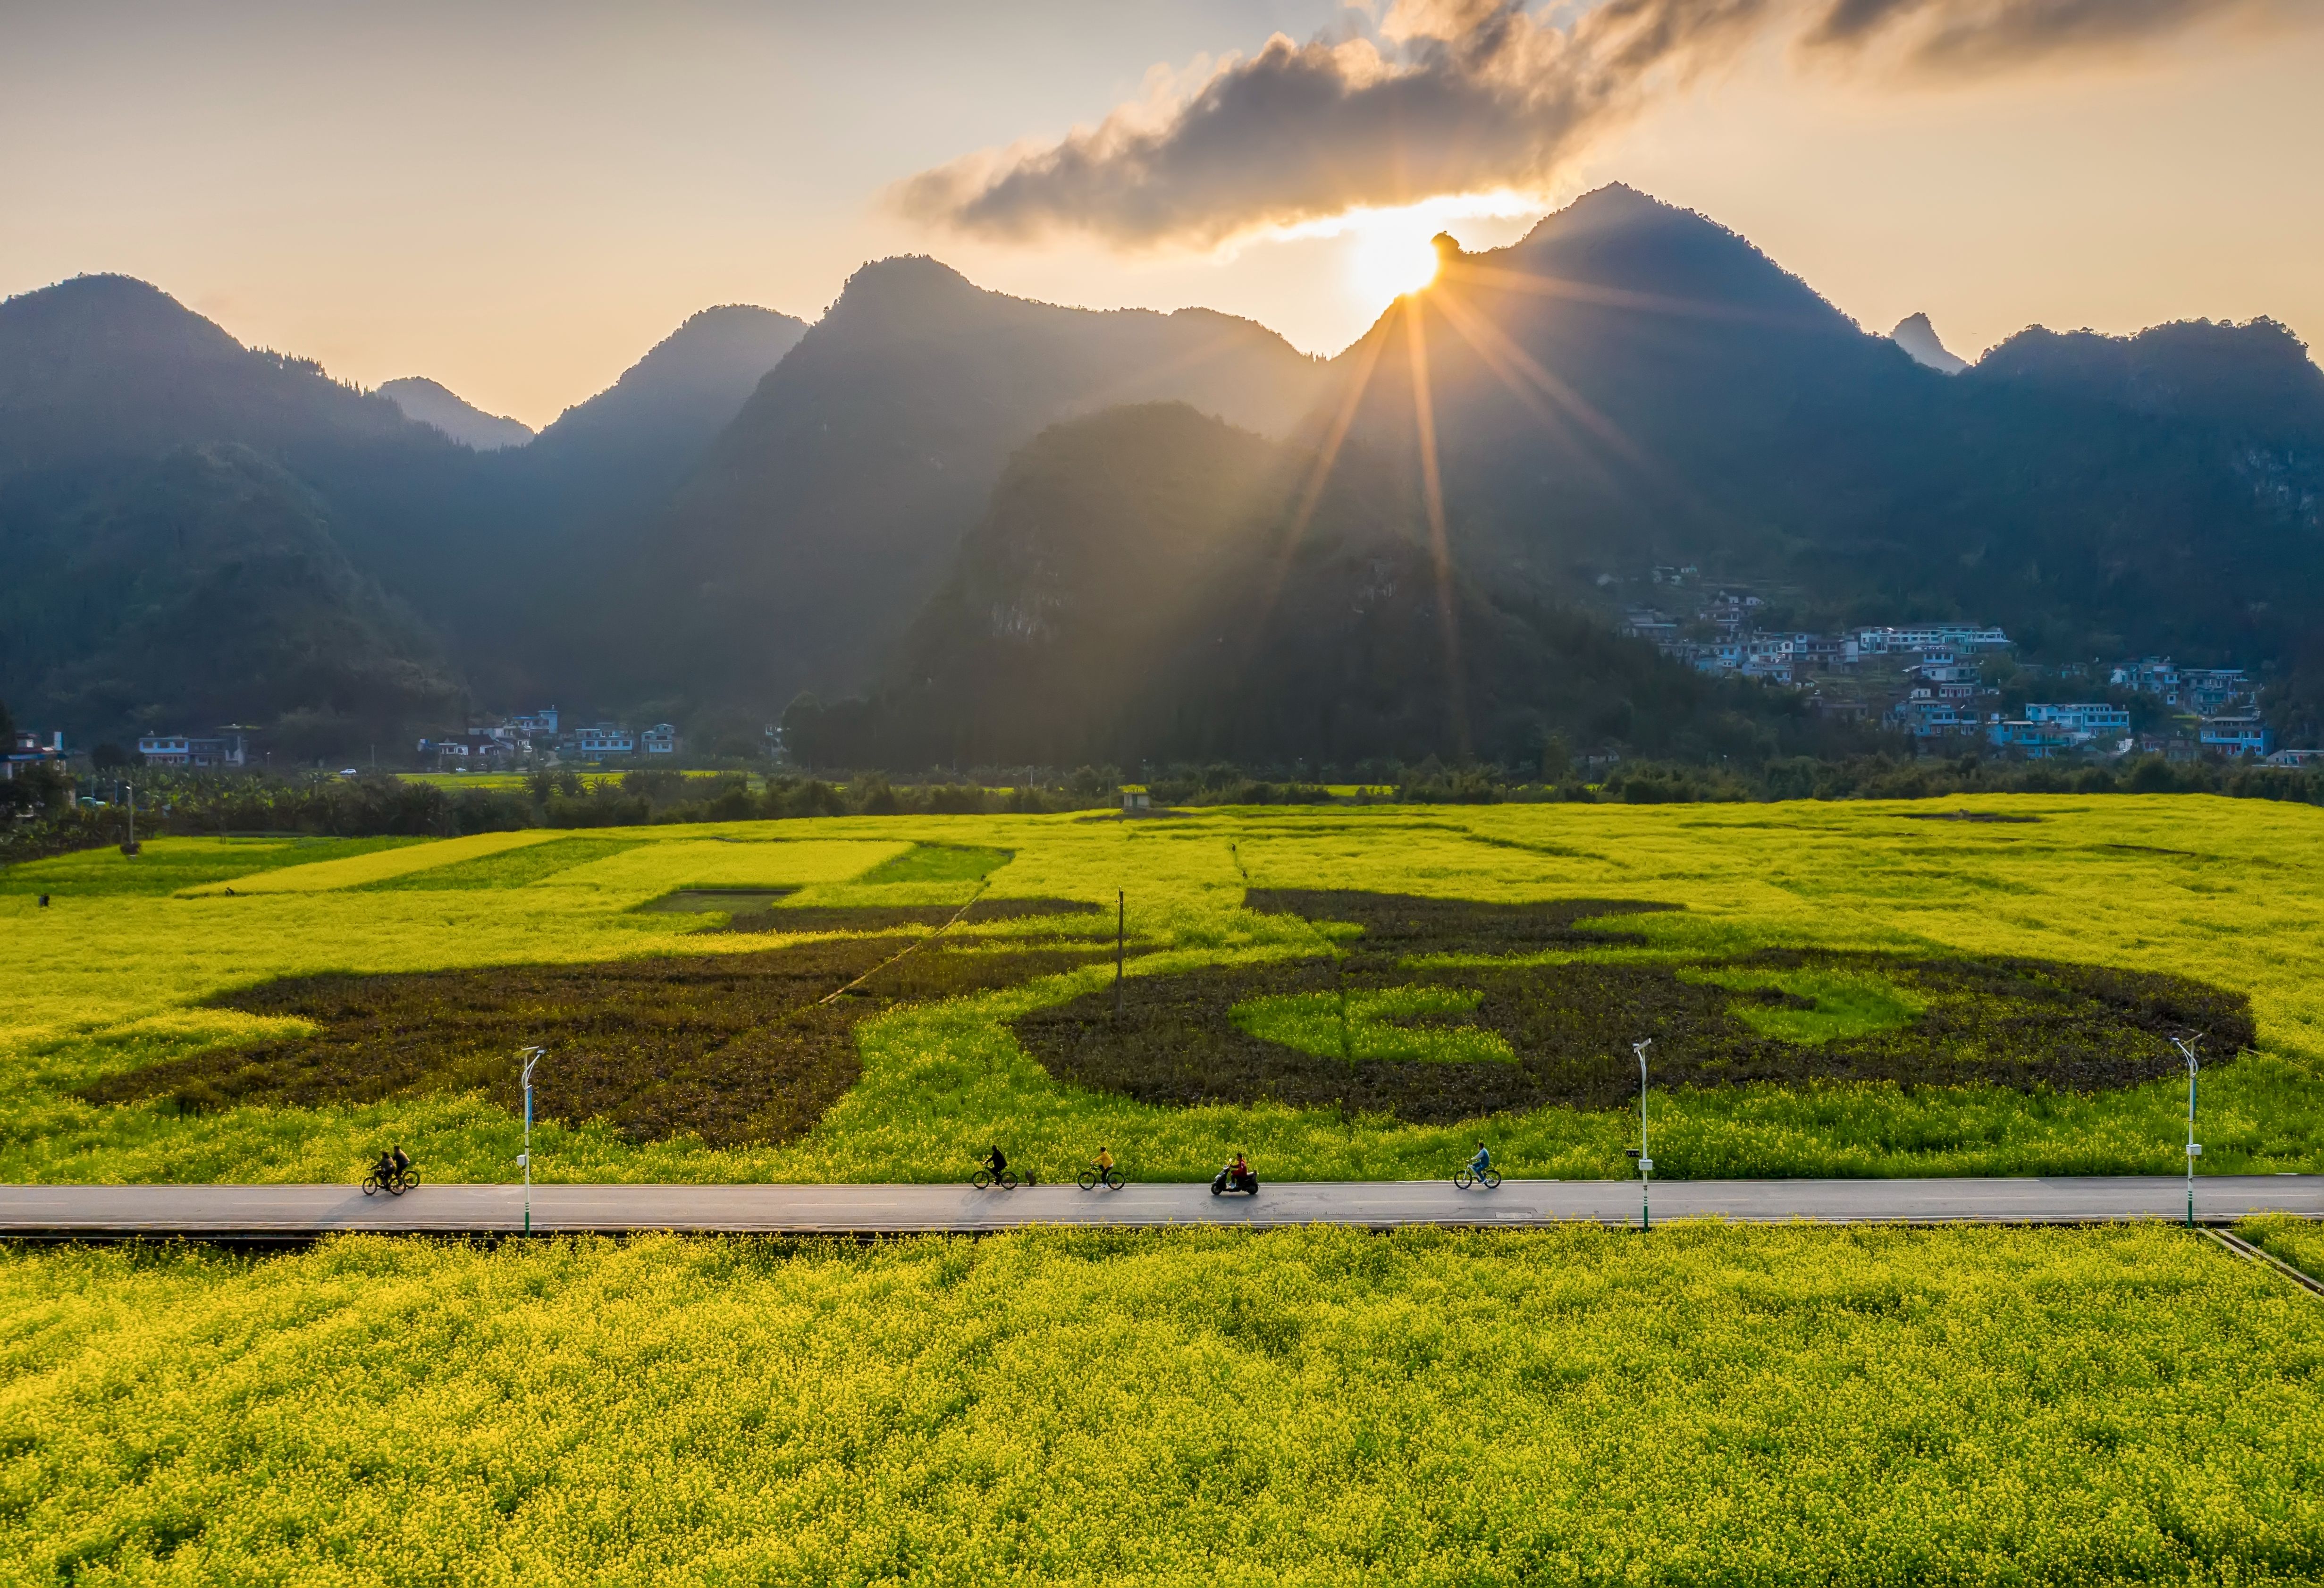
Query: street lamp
1645,1163
2194,1148
532,1056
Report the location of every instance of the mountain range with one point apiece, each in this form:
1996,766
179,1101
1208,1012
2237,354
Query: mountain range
983,530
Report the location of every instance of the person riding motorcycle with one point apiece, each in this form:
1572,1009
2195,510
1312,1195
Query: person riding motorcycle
1236,1175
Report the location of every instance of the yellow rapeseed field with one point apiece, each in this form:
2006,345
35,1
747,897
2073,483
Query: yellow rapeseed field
113,974
1704,1404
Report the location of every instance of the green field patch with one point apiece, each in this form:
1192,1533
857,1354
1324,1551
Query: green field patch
1813,1005
1372,1025
165,866
939,863
732,1050
511,868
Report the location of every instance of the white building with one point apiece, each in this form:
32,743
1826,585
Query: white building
605,738
661,739
2093,719
2236,735
190,750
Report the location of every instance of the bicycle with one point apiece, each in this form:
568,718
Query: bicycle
1094,1177
395,1183
1465,1177
984,1181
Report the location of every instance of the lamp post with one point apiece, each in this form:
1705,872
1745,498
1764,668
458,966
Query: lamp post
1646,1161
532,1056
2194,1148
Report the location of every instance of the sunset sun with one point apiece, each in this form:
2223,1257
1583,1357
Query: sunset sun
1387,264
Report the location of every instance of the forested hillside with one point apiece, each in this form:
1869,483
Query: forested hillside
829,511
760,507
1151,583
1633,386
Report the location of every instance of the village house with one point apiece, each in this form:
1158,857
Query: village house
2089,719
2235,735
661,739
604,739
24,751
2036,741
188,750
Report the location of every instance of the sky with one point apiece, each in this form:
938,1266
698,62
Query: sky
517,199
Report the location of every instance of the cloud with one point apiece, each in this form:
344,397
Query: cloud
1472,96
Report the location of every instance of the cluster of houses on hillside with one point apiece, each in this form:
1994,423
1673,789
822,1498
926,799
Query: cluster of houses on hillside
1927,681
537,735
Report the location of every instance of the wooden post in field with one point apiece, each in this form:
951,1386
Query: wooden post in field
1121,922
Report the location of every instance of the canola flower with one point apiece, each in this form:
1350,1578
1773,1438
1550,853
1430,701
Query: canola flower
1715,1405
112,976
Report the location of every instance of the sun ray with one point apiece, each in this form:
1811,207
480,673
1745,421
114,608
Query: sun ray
1432,486
1318,475
1491,342
1518,281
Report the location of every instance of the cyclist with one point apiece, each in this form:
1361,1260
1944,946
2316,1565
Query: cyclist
1104,1161
1482,1161
384,1169
402,1164
997,1162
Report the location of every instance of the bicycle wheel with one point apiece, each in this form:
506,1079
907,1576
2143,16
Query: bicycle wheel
1113,1179
981,1179
410,1178
1089,1179
371,1185
1009,1179
1463,1178
1493,1179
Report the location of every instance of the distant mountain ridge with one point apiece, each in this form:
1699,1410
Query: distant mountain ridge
1918,338
977,525
428,403
828,511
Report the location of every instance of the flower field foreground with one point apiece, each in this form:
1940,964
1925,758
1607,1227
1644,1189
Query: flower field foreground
1704,1404
1836,990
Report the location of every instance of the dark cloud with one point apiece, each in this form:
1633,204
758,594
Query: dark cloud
1469,96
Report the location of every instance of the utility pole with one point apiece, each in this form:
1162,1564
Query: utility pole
1120,931
1643,1154
532,1056
2194,1148
129,845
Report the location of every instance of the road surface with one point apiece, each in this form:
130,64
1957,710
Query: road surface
298,1213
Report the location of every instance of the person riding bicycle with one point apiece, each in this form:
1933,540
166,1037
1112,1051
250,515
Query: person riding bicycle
1482,1161
401,1164
1104,1161
997,1162
384,1169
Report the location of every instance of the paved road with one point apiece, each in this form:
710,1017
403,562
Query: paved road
278,1213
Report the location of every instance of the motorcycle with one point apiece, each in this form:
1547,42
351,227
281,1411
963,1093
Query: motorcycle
1228,1180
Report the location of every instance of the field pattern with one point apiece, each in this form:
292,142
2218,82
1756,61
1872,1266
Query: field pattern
1704,1406
1833,990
